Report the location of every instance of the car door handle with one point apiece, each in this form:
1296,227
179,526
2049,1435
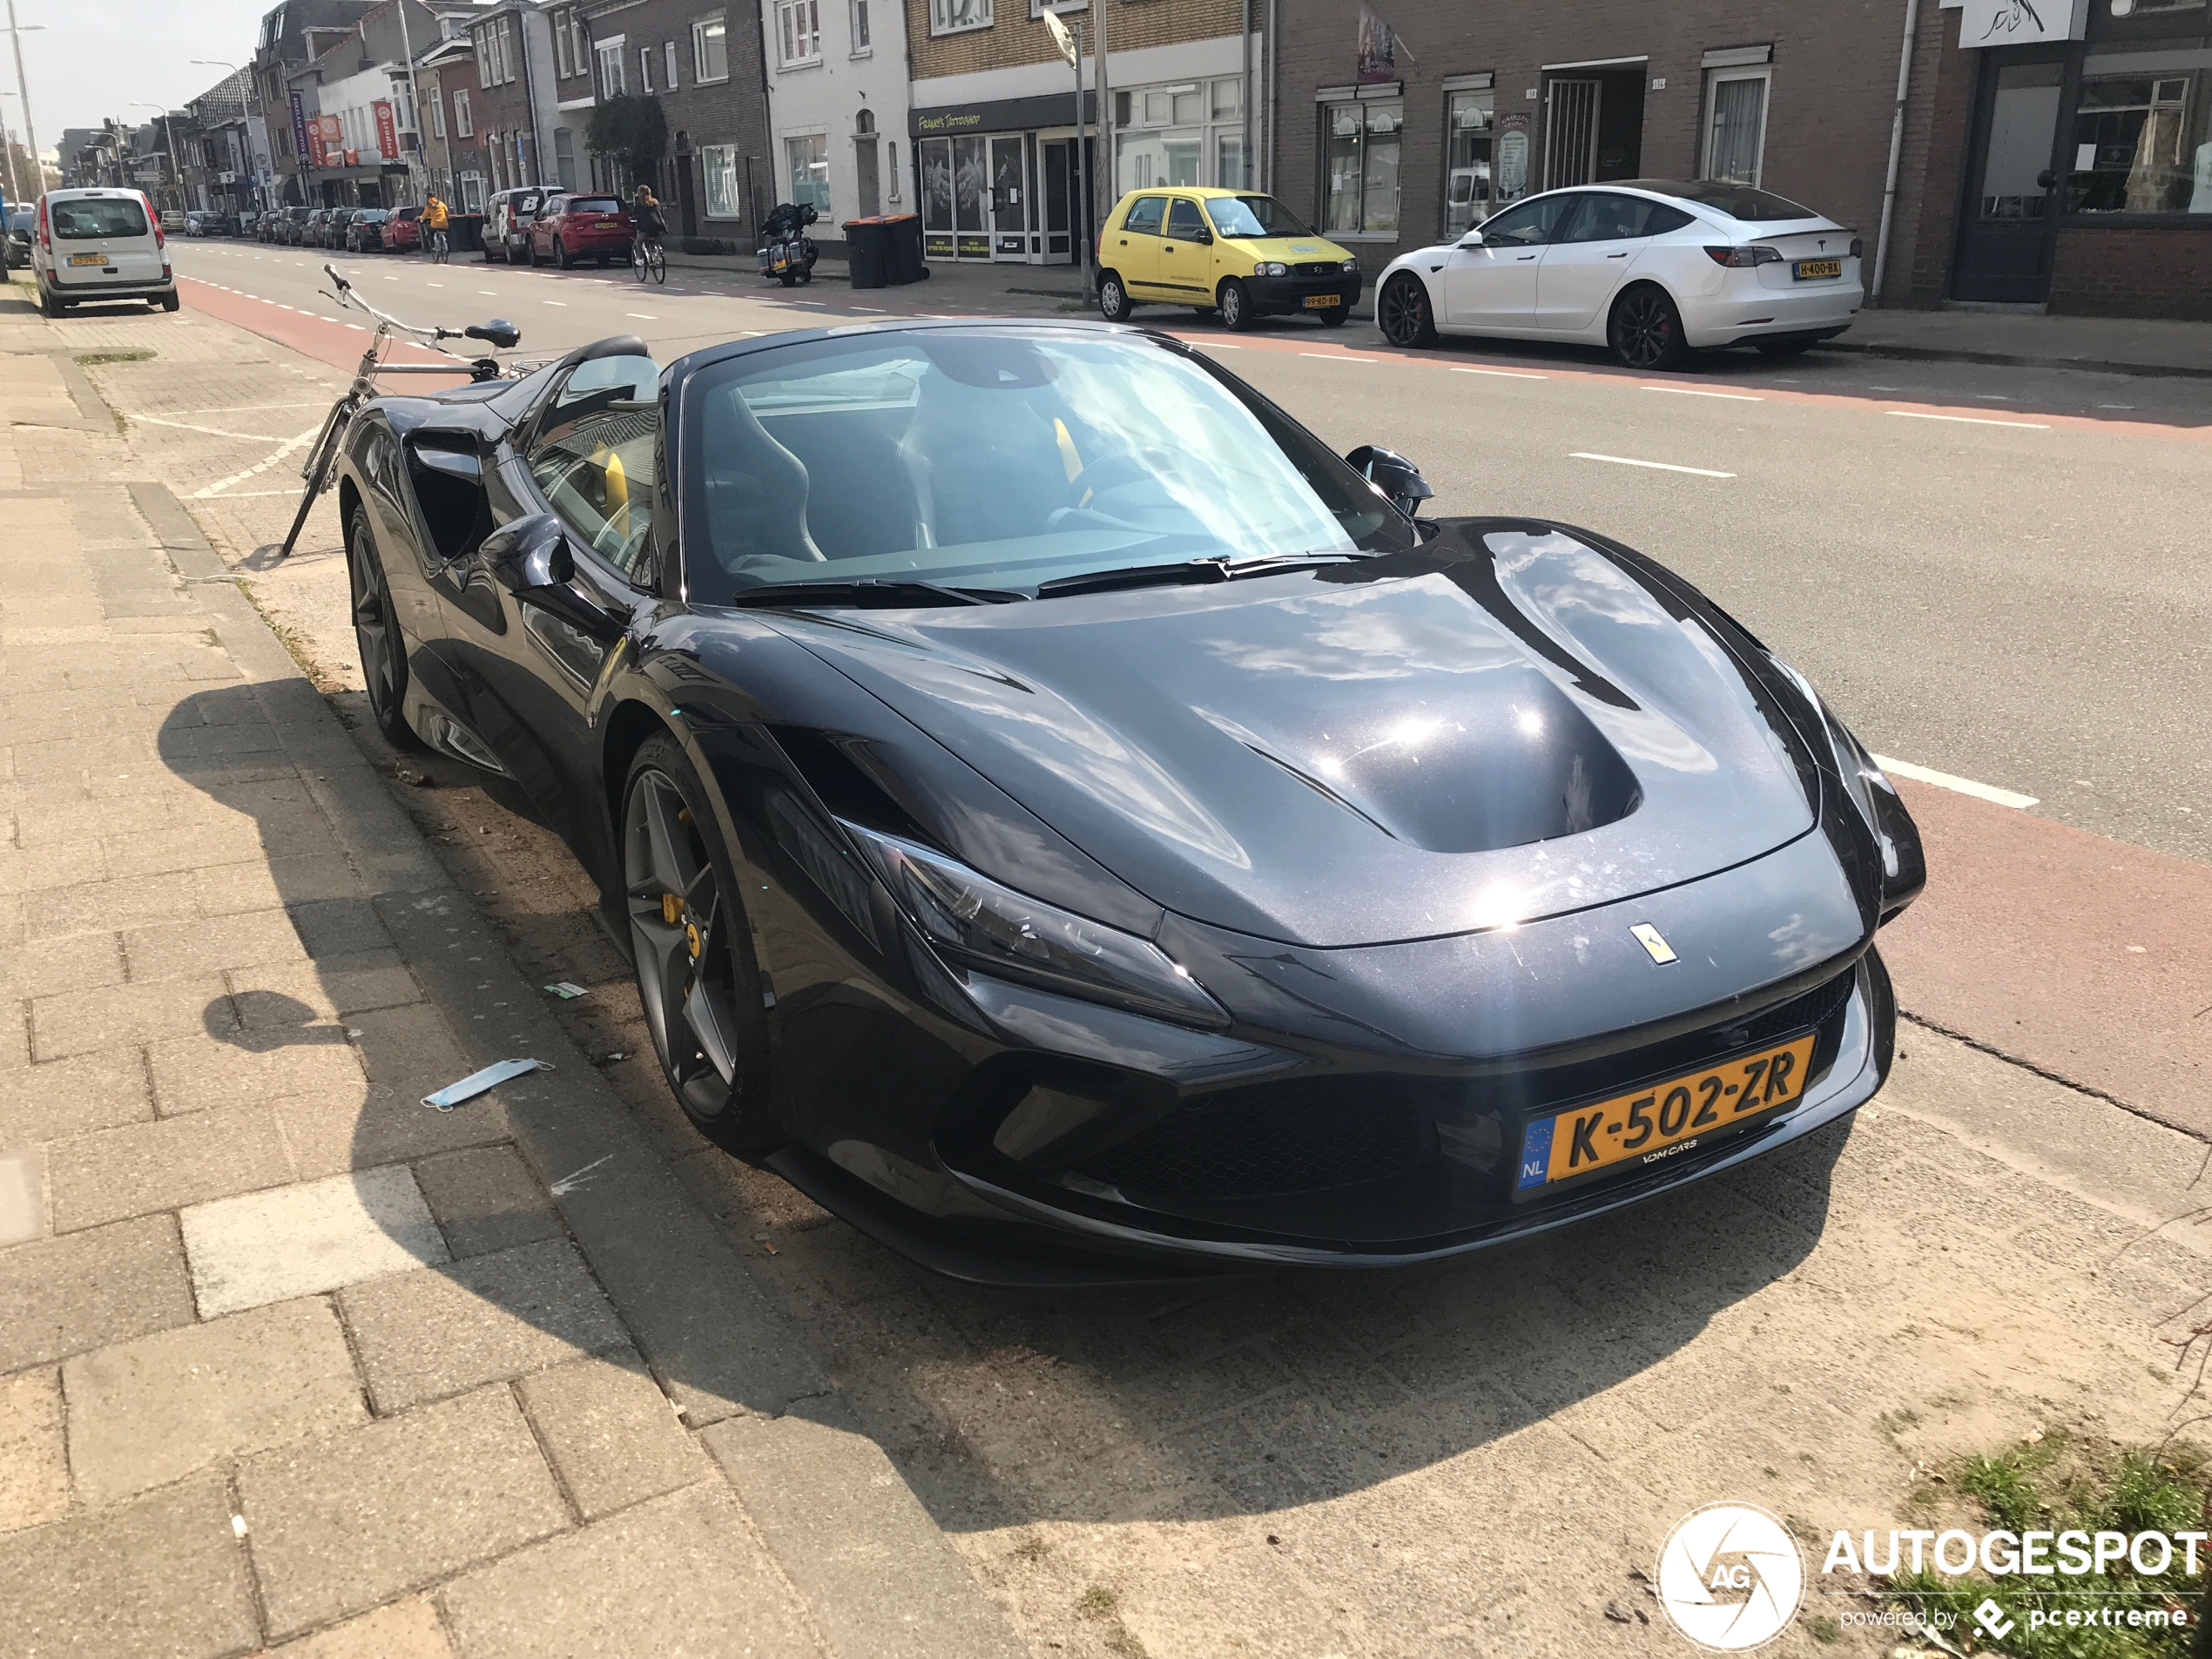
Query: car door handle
1523,259
1621,255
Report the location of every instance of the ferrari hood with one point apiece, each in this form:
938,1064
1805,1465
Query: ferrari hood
1505,725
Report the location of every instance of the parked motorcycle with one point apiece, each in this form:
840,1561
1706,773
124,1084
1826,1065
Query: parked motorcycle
789,253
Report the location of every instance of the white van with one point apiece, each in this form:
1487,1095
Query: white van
99,244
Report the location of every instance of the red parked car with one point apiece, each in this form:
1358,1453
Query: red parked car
403,231
570,228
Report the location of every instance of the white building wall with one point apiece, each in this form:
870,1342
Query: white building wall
816,104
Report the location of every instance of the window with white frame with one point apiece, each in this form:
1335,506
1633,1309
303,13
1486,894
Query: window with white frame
809,165
668,53
799,32
1038,8
1735,123
710,50
719,166
951,16
1361,142
464,118
579,44
611,81
891,151
438,116
472,190
1184,132
563,63
860,43
645,70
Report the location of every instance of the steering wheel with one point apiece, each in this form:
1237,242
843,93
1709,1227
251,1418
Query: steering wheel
1120,467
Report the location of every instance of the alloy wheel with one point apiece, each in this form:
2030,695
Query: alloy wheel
684,975
1402,312
375,630
1643,329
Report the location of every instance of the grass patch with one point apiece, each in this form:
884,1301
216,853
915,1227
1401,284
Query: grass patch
2060,1483
89,359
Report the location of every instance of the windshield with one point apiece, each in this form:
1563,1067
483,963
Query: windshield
1002,458
95,218
1737,201
593,204
1254,216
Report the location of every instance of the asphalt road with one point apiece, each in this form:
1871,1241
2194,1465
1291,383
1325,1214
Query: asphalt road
2001,573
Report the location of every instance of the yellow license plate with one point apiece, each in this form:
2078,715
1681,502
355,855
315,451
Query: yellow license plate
88,259
1665,1120
1323,302
1809,269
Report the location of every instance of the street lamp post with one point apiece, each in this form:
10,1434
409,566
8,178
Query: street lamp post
15,32
176,162
14,189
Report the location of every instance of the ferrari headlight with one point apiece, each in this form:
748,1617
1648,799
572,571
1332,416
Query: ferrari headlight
974,920
1270,267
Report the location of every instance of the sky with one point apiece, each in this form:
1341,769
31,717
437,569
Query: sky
94,58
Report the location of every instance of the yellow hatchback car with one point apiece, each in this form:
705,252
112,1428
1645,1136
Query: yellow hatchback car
1235,251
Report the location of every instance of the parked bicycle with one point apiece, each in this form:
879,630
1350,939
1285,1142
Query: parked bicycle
322,455
648,258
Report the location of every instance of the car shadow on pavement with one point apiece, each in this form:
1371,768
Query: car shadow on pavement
1191,1401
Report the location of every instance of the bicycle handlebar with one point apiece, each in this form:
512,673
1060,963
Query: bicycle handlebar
345,296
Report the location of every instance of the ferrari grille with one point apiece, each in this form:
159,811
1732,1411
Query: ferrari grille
1265,1146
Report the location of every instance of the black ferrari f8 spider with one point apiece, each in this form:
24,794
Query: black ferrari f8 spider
1075,826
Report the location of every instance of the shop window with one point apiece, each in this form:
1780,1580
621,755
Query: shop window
710,50
1228,100
718,167
950,17
2142,143
809,171
1158,107
799,32
1467,130
1229,161
1363,141
1735,125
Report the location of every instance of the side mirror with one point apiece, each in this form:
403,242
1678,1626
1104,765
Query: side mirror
1203,236
501,333
1472,238
531,554
1392,476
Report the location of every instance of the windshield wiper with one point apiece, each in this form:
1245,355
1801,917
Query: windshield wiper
875,592
1216,569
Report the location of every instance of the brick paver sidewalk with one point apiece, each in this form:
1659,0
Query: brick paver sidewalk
285,1354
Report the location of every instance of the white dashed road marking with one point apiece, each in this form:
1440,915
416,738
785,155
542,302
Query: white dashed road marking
1970,420
1693,391
1961,785
1657,466
1503,374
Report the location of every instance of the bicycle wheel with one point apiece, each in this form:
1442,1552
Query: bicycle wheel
640,260
660,264
317,471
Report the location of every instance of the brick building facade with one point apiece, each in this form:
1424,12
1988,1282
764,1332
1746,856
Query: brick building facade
2072,171
993,126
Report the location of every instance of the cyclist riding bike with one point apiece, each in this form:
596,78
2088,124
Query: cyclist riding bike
650,225
434,220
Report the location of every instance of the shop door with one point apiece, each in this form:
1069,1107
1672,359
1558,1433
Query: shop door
1010,199
1057,164
2006,233
971,199
1570,133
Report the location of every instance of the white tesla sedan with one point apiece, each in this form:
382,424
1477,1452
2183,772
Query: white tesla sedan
1653,268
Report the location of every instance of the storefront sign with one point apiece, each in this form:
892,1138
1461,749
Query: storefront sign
1513,158
388,130
1378,48
1002,115
299,125
2021,22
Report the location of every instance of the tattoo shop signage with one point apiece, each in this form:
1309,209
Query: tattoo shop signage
2021,22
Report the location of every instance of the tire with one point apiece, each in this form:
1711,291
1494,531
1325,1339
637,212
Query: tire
561,259
788,277
1204,313
376,633
1645,330
696,975
660,265
1236,314
806,272
1404,313
1112,298
49,308
171,301
1338,318
1783,347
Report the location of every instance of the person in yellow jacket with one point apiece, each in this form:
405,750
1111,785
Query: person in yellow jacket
435,216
